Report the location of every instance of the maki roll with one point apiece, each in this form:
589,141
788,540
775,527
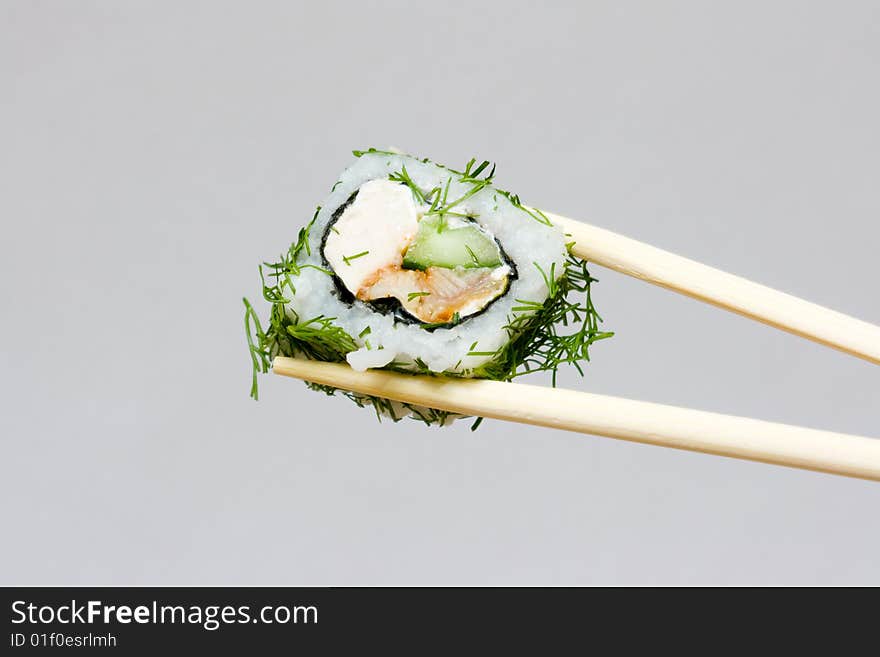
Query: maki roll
416,267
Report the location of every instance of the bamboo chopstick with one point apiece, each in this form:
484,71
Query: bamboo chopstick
642,422
721,289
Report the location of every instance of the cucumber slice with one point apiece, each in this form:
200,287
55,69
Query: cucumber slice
439,245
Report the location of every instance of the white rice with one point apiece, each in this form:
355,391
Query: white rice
526,242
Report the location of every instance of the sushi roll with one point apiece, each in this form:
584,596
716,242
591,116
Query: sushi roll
416,267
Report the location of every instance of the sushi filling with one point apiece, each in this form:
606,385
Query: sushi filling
440,268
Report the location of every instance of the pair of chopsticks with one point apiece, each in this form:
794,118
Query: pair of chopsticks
643,422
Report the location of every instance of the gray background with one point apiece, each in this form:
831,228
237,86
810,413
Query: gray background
152,153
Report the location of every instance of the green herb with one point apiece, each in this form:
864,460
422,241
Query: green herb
472,255
371,151
439,200
416,295
534,213
286,334
366,331
538,337
348,259
475,174
456,318
430,416
440,203
445,206
403,176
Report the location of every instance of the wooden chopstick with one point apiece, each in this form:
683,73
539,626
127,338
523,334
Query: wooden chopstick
642,422
721,289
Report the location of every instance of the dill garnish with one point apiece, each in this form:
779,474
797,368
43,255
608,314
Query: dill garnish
472,255
286,333
416,295
402,176
348,259
539,341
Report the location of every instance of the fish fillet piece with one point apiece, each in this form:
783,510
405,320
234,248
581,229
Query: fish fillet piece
372,233
436,294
